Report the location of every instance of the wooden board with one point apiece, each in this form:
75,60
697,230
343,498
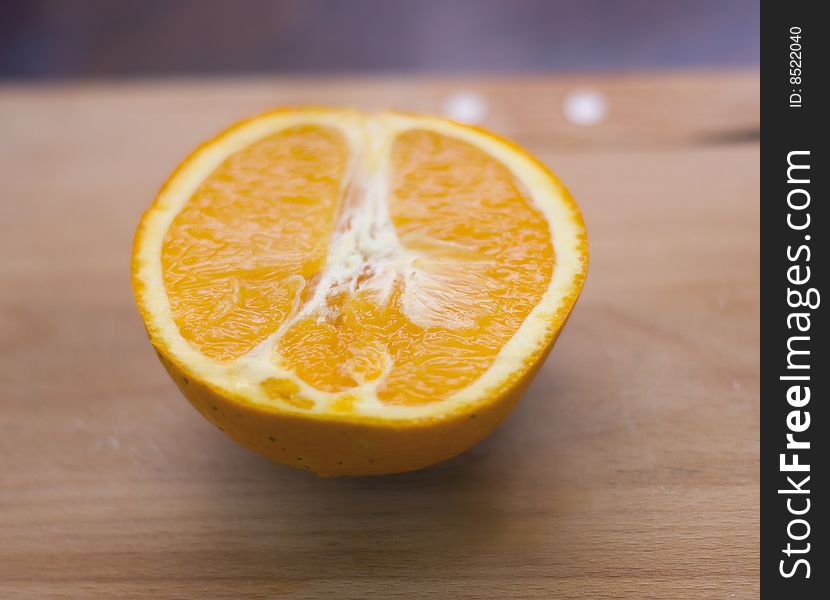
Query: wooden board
629,469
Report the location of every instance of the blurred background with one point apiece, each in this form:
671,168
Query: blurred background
55,39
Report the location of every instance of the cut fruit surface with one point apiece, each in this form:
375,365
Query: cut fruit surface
391,277
243,247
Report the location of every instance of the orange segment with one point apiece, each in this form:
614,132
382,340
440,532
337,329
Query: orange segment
240,251
484,260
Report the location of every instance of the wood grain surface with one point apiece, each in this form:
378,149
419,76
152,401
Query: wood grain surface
628,470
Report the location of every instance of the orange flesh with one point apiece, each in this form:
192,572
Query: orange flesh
241,257
236,255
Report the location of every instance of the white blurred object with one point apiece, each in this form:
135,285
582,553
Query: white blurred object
585,107
466,107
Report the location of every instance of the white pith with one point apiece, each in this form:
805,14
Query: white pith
365,237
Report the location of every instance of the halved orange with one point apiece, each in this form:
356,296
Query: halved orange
357,293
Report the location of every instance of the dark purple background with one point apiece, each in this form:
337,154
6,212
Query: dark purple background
103,38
